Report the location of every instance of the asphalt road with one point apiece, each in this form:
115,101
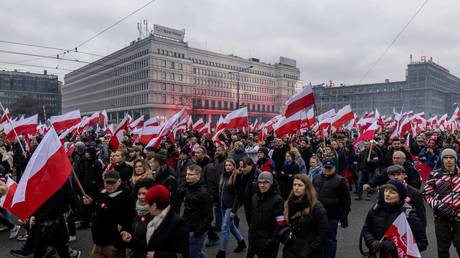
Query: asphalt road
348,239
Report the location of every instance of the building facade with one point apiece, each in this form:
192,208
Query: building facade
44,89
159,75
428,88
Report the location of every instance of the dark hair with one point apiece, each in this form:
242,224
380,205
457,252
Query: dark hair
144,182
247,161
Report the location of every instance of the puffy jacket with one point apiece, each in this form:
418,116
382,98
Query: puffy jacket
211,175
197,208
111,210
267,217
379,220
333,194
442,193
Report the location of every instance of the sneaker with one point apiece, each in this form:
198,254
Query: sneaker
19,253
14,231
22,237
72,238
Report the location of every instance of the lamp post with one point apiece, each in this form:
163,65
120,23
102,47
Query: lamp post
238,84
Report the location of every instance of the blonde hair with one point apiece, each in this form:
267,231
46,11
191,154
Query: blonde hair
310,194
232,180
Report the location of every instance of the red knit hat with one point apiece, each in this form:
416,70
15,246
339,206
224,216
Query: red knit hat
159,195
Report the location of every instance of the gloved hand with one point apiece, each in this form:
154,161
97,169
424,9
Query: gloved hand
387,245
375,245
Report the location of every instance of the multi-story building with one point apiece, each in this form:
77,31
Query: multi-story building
44,89
161,74
428,88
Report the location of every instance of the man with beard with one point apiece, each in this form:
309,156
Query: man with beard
306,151
395,146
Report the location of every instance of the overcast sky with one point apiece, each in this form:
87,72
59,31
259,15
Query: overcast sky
336,40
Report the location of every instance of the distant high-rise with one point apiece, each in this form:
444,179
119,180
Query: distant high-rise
42,89
428,88
160,74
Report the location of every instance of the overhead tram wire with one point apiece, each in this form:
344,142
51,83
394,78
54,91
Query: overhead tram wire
393,41
37,66
46,47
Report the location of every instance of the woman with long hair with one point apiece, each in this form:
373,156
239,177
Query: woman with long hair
315,168
229,204
141,169
289,170
307,221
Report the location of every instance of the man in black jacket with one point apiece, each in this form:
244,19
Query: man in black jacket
197,210
248,186
114,213
125,170
333,193
266,220
163,174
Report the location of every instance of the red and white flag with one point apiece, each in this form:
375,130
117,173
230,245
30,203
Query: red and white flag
5,201
151,122
237,119
368,134
139,122
4,119
94,118
205,129
288,125
299,101
104,118
401,235
167,126
343,116
309,120
22,126
220,124
198,125
65,121
46,172
145,134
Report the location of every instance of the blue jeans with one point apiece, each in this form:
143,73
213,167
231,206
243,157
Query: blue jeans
228,227
196,245
217,214
364,177
330,243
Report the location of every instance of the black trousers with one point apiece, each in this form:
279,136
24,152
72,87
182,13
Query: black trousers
51,234
447,233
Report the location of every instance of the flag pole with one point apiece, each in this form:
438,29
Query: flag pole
370,151
14,130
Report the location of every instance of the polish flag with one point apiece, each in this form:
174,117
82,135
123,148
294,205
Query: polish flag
368,134
104,118
181,126
326,115
299,101
406,126
5,201
46,172
119,133
220,124
5,117
401,235
288,125
151,122
255,126
64,134
269,124
205,129
145,134
343,116
237,119
137,123
67,120
198,125
190,123
94,118
22,126
168,125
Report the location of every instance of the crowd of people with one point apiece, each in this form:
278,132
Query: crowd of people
185,196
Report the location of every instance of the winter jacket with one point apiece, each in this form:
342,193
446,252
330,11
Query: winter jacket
413,177
197,212
238,155
138,243
442,193
380,218
180,172
307,153
166,177
301,163
389,156
286,177
365,165
333,194
278,157
308,233
313,173
126,172
267,219
111,210
266,165
211,176
428,158
171,238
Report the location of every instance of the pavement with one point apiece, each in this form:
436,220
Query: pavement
348,238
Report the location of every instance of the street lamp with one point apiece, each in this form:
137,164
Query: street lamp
238,84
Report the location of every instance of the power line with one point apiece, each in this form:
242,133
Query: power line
38,66
113,25
46,47
393,42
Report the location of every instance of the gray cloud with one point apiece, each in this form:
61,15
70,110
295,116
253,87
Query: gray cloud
330,39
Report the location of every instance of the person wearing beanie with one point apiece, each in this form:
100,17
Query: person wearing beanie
380,217
264,163
442,193
167,234
267,218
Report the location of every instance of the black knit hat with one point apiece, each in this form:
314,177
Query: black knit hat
264,150
400,188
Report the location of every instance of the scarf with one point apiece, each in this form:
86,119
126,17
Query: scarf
155,223
142,210
297,205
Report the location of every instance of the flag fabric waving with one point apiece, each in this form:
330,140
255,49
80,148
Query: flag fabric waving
299,101
401,235
65,121
46,172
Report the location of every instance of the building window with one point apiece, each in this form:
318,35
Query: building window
179,77
171,76
163,86
163,63
173,65
179,66
163,99
163,75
